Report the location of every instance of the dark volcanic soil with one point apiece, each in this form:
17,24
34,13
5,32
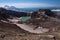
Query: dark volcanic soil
13,32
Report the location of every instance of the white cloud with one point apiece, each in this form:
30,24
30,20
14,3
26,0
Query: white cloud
27,5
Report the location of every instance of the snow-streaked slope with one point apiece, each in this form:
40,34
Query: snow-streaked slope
30,28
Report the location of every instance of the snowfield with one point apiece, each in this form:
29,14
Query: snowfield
30,28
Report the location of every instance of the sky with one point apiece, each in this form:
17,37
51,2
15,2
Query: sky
30,3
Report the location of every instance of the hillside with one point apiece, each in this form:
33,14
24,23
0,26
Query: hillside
7,13
45,19
10,31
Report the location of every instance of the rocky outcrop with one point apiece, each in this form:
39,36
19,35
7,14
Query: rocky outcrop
46,19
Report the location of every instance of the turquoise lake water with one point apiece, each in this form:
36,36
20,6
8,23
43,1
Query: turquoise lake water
25,18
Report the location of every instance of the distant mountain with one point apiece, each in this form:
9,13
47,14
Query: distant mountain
28,9
6,6
20,9
11,8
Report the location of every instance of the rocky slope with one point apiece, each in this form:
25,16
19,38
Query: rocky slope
10,31
45,19
6,13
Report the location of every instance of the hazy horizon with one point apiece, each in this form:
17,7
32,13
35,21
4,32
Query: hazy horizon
30,3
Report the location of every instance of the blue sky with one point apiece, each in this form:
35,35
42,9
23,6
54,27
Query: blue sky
30,3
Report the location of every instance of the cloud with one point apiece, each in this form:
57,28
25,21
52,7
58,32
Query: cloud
28,5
